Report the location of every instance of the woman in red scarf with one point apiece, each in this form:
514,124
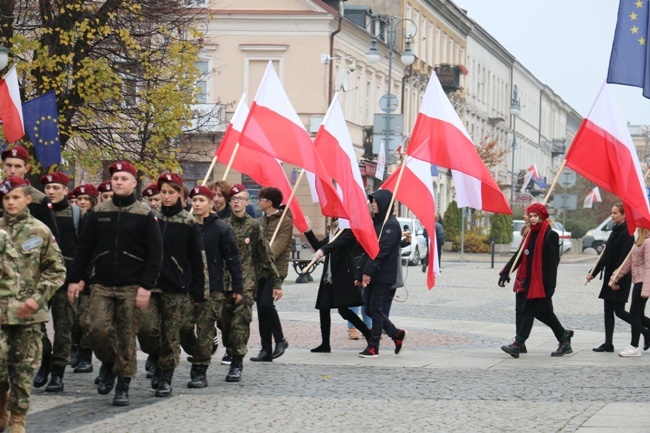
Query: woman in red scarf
538,267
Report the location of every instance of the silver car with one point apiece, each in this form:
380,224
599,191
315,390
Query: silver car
417,250
565,236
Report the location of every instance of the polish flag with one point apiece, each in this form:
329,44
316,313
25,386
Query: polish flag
415,191
592,197
440,138
11,108
273,127
262,168
334,145
603,152
533,174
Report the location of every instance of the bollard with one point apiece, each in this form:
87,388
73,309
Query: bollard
492,247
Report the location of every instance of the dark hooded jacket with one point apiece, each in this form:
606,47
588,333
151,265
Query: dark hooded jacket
383,268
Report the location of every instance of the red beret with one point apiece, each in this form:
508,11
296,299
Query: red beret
71,195
170,178
56,177
151,190
105,186
122,166
202,190
12,183
16,152
86,189
539,209
236,189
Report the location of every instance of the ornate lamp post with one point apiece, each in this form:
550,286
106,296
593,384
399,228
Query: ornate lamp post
515,110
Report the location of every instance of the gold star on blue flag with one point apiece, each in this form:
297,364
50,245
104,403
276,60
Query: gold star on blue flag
41,120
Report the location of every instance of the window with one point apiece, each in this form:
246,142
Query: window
202,83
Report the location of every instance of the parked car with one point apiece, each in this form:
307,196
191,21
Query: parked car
418,247
565,236
597,238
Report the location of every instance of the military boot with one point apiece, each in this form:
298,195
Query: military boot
108,382
75,356
56,380
155,378
197,374
17,423
165,384
41,376
150,366
4,414
236,367
101,375
86,364
121,397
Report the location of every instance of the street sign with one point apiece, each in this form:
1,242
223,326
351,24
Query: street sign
393,143
565,201
396,124
568,178
524,198
388,103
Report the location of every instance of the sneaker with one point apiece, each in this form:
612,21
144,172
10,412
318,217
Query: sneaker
369,352
353,334
399,340
630,352
227,359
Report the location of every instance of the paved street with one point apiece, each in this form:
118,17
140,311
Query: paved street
451,375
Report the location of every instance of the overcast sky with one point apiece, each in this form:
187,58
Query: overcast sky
565,43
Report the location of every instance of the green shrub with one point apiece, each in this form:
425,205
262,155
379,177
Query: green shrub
501,229
452,222
475,242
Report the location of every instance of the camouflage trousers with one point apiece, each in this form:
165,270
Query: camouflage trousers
20,353
159,332
79,324
198,330
62,321
236,323
113,321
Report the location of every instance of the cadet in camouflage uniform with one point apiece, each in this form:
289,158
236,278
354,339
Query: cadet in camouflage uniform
124,240
182,251
257,262
32,270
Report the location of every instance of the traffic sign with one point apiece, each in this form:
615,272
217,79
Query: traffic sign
524,198
568,178
381,124
565,201
388,103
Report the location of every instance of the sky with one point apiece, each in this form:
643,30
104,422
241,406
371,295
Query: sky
566,44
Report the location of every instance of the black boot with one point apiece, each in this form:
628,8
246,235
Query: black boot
86,364
197,374
150,366
40,378
75,356
101,375
56,380
513,349
121,397
165,384
236,366
106,385
263,356
155,377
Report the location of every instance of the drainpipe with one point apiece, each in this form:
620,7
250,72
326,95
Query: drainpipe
330,92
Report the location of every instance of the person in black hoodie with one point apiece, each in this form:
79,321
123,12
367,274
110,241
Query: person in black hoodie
123,239
220,249
378,275
182,250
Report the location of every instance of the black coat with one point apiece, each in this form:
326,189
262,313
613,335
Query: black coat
618,245
340,255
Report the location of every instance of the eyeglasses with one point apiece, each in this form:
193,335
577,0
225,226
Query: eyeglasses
235,199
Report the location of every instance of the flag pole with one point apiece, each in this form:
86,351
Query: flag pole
286,207
521,249
207,175
314,260
600,256
557,177
232,158
392,198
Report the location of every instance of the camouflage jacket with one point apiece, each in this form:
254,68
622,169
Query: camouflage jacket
31,256
254,252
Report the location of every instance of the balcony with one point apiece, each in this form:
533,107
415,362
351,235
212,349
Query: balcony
449,76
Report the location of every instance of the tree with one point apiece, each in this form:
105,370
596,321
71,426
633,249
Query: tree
489,152
452,222
501,229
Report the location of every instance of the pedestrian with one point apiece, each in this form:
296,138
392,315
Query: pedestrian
440,238
105,191
221,189
32,270
182,252
87,196
123,239
618,245
538,263
379,275
336,288
639,265
220,250
151,196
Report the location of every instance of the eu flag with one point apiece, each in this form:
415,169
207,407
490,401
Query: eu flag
42,125
628,63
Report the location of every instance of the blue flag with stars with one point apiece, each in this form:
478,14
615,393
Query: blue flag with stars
42,125
629,62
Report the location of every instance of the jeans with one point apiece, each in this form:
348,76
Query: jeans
377,294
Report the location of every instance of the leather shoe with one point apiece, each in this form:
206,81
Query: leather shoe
236,367
322,349
280,347
56,383
107,384
40,379
603,348
512,349
263,356
523,349
563,348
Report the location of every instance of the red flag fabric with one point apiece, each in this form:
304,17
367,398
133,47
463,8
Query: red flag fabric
273,127
603,152
334,145
416,192
262,168
440,138
11,108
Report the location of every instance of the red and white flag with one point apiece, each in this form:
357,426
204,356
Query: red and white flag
334,145
11,108
273,127
262,168
440,138
592,197
415,191
603,152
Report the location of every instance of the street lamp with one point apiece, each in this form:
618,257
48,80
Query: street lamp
515,110
391,24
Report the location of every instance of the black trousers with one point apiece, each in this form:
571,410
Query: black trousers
269,322
637,310
347,314
520,302
376,296
612,308
549,319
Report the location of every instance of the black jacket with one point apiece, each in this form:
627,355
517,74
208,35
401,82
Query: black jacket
68,235
618,245
220,248
124,240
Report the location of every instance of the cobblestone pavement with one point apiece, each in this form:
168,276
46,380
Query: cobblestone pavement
450,377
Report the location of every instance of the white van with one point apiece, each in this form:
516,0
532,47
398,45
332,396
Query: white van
597,238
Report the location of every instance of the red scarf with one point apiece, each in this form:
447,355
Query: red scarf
536,289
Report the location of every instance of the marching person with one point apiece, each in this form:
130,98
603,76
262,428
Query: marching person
124,240
87,196
105,191
221,189
151,196
32,270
